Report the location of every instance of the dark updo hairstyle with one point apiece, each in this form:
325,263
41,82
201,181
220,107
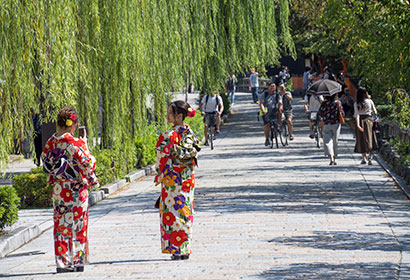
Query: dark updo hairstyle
180,107
330,98
361,95
64,114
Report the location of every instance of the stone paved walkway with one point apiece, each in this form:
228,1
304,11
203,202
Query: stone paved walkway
261,213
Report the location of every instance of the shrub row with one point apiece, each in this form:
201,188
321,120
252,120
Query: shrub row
33,190
9,203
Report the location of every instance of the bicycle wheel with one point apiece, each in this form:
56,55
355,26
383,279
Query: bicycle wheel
272,131
211,137
283,134
317,136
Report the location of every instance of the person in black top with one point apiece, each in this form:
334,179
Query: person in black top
35,118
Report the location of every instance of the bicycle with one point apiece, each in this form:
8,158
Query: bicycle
211,121
274,132
284,132
316,128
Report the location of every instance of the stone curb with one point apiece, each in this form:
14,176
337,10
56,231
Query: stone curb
22,235
400,182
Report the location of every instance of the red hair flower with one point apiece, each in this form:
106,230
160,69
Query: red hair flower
191,113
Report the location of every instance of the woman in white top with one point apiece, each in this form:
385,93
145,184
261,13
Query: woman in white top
366,141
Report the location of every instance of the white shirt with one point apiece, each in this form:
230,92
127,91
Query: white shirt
314,102
368,109
211,106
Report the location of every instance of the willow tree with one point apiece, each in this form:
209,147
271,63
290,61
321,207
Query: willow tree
115,60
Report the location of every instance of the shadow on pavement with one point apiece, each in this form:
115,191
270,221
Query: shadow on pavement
320,271
26,274
131,261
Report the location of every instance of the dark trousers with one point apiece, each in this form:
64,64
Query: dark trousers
37,148
255,94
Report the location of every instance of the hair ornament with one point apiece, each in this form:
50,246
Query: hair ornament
69,121
191,112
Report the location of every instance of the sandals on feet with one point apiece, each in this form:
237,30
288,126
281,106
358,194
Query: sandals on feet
179,257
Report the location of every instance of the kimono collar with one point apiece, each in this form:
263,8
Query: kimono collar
65,135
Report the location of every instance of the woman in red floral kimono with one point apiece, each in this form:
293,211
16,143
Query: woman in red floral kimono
176,152
71,170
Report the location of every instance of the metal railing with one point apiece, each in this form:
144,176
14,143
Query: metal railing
391,129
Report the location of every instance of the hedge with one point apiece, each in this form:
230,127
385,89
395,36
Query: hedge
9,203
33,190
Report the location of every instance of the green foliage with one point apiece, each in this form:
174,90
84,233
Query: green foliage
384,111
289,85
399,108
9,202
114,163
105,173
145,146
197,124
373,36
402,148
32,188
124,55
226,102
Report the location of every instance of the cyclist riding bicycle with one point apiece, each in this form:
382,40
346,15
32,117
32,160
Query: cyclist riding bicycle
271,107
211,106
287,108
312,105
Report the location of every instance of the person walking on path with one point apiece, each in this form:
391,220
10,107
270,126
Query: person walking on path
176,156
287,108
254,85
231,86
329,112
271,106
306,79
366,141
71,169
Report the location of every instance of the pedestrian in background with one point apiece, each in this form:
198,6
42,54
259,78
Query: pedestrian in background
176,157
329,112
35,118
306,79
71,169
366,141
231,86
254,85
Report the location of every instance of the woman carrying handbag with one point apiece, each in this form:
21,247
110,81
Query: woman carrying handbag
366,141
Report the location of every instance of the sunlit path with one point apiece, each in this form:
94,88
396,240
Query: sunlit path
260,213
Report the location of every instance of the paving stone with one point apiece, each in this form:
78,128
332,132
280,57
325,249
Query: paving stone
260,213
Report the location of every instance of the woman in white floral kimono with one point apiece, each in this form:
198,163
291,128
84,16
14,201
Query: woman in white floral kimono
176,152
71,169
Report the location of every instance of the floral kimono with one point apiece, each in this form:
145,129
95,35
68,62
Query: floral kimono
175,161
71,170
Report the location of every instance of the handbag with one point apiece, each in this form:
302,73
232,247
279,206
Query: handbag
157,203
341,118
376,127
340,115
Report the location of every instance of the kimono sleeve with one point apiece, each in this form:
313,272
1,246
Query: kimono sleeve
163,158
87,164
47,158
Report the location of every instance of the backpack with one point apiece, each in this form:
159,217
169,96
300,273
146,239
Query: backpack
217,102
276,96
